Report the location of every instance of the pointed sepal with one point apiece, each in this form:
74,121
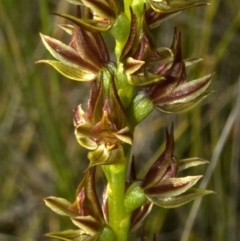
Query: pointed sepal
177,201
60,206
88,24
172,186
164,166
191,162
172,6
78,74
88,224
71,235
139,215
105,155
66,54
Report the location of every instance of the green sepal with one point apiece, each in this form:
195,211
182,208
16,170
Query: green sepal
104,9
145,79
139,215
191,162
104,155
132,65
172,6
191,61
60,206
171,187
165,55
182,107
164,162
88,224
134,197
72,235
66,54
76,2
78,74
87,143
87,24
68,28
184,96
177,201
160,17
133,37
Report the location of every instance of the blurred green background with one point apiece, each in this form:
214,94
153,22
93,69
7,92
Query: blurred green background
39,156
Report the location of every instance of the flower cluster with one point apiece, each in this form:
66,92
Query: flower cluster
122,93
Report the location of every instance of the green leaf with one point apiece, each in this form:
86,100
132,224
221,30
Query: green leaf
171,187
177,201
72,235
78,74
190,162
60,206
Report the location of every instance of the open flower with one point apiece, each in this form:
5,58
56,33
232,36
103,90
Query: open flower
85,212
103,128
161,184
175,93
103,14
164,9
83,58
161,71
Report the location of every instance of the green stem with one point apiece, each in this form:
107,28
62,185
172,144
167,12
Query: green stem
127,4
119,219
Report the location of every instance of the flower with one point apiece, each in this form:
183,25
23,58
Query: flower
164,9
103,14
161,184
161,72
175,93
83,58
85,212
103,128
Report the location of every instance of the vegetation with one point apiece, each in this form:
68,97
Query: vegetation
39,153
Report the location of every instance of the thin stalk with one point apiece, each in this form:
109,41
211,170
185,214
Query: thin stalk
119,220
